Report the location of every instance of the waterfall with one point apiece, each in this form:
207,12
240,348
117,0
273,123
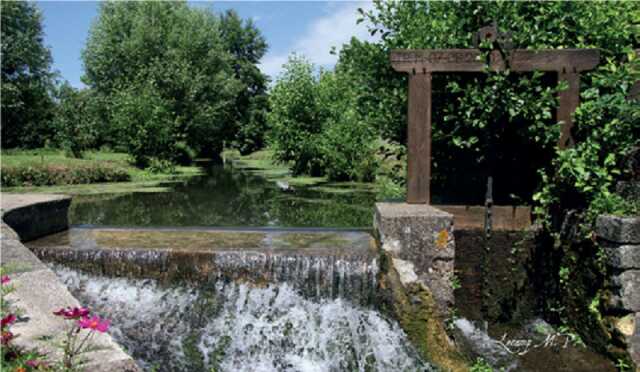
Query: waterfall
227,325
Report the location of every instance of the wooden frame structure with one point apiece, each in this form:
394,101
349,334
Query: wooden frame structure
421,64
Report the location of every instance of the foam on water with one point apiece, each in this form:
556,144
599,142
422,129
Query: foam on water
229,326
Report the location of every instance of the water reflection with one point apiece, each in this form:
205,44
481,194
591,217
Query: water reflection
227,197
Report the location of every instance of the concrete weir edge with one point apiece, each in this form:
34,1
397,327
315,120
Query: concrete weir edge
38,292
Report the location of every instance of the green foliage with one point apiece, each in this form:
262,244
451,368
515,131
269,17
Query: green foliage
316,127
481,366
348,143
169,78
510,114
607,130
75,123
44,175
247,46
296,117
26,77
145,124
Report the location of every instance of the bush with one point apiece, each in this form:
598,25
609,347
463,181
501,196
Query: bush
42,175
146,125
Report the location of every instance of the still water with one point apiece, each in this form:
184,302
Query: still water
225,196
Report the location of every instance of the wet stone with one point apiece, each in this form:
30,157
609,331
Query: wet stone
627,292
624,257
625,230
634,341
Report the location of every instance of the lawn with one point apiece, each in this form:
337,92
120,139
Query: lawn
139,179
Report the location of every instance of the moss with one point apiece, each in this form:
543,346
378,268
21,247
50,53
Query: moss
178,240
193,356
414,308
217,354
308,240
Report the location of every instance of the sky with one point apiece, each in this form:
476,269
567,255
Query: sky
307,27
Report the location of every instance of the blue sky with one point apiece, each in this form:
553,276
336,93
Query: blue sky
306,27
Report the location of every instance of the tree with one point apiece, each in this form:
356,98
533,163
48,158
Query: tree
75,122
315,124
247,46
27,106
297,117
171,56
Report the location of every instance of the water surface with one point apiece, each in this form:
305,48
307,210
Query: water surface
225,196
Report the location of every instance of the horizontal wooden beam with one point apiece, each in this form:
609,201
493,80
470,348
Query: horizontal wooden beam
470,60
503,217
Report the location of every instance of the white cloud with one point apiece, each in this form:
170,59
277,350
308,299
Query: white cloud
331,30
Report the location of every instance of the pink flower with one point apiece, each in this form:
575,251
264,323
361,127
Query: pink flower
8,320
5,337
5,279
72,312
95,323
35,363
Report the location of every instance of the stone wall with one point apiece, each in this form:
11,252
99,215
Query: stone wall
420,240
38,292
620,238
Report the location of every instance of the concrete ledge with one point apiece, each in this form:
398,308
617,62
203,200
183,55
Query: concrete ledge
423,236
38,292
35,215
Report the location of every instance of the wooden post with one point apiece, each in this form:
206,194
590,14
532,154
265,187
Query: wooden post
419,138
569,99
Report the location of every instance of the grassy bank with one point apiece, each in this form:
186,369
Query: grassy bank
261,163
51,171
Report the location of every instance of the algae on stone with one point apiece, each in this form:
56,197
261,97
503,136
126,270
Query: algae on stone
414,307
178,240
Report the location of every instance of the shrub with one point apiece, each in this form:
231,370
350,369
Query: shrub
42,175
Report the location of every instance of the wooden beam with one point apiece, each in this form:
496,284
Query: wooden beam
469,60
419,138
569,99
503,217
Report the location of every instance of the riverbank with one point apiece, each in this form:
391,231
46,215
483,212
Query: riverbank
259,163
262,163
138,179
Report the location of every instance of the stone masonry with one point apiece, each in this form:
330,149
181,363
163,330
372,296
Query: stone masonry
421,237
620,238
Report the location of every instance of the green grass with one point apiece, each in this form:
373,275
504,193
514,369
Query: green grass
262,163
140,180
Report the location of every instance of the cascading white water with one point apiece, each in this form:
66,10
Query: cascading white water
229,326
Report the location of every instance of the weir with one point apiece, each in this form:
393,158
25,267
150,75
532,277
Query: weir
320,264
